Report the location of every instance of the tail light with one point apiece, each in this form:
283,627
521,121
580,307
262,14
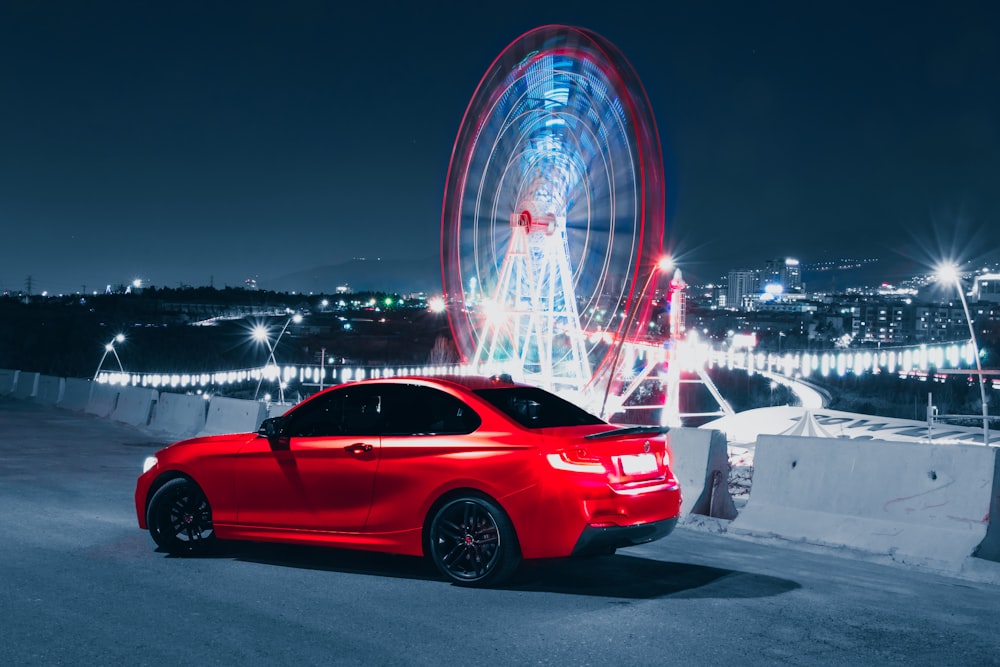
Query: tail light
619,462
576,460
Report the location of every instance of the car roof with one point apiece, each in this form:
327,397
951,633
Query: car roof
469,382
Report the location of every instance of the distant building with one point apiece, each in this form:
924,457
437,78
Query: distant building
743,286
986,287
791,275
785,273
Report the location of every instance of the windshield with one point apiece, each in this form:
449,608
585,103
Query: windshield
532,407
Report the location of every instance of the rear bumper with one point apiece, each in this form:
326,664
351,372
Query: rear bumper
599,540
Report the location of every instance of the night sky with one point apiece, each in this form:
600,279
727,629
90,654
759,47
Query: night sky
202,143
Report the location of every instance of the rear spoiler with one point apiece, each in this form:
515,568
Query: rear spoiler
628,430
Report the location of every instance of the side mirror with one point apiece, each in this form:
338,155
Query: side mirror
273,429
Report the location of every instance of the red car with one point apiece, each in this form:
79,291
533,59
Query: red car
474,473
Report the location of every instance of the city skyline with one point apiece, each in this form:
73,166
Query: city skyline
197,144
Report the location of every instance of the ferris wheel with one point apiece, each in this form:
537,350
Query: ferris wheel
553,210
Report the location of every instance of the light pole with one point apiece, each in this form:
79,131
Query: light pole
110,347
664,264
949,273
262,334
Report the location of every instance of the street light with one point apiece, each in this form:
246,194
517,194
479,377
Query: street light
664,264
110,347
948,273
262,334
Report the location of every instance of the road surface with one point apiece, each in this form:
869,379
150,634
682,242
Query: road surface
82,585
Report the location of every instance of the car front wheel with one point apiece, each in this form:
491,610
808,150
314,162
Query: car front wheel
180,519
472,542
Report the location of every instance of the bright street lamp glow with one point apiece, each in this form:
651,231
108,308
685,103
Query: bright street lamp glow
110,347
946,273
436,304
260,333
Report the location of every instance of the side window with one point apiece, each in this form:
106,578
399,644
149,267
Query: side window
344,412
318,417
362,408
418,410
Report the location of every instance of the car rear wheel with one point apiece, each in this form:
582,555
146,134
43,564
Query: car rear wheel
180,519
472,542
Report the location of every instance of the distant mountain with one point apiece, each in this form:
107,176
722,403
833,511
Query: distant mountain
361,275
842,274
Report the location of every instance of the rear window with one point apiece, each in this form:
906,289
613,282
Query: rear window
532,407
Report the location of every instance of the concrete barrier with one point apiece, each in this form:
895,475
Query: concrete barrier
26,385
278,409
179,415
701,465
232,415
920,504
103,398
989,548
76,394
50,389
134,405
7,379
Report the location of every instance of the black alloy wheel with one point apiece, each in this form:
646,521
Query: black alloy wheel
179,518
472,542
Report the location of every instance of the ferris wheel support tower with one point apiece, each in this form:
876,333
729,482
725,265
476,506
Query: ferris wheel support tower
534,309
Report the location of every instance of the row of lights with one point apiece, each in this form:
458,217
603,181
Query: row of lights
271,371
283,375
907,360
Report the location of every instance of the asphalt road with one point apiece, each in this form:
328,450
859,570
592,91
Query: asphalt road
80,584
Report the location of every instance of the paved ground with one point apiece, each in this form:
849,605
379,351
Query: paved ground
82,585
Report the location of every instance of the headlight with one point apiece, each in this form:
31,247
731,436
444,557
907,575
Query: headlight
149,463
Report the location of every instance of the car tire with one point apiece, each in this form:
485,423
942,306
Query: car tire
472,542
179,518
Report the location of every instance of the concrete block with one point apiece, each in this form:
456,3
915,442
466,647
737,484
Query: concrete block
278,409
103,398
921,504
26,385
989,548
50,389
233,415
179,415
701,465
134,405
7,379
76,394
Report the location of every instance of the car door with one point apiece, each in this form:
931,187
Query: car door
425,445
325,477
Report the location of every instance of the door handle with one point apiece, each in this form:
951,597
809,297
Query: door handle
358,448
